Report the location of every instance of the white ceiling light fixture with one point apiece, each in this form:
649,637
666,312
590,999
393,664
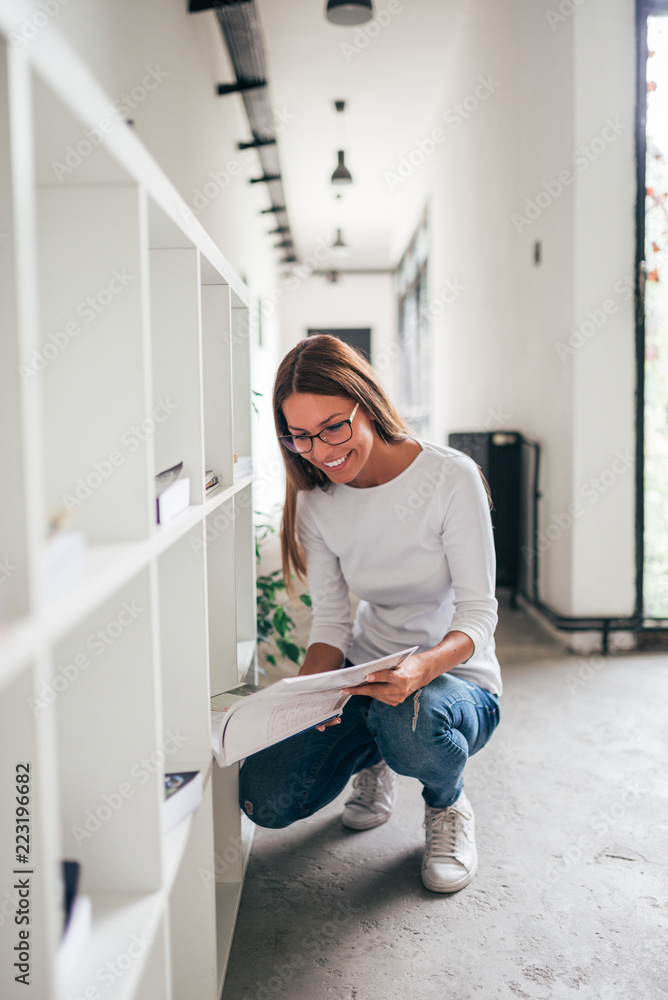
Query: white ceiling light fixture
349,12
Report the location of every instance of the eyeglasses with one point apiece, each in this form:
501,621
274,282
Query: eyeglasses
337,433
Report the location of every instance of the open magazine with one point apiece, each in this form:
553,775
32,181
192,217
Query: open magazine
247,718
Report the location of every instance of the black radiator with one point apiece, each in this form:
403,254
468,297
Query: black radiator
499,455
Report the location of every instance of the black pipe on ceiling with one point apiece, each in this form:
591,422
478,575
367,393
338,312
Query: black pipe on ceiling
240,26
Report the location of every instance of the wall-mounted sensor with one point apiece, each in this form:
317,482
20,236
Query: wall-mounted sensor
537,252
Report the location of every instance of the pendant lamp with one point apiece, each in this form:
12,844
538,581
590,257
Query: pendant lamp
339,248
342,175
349,12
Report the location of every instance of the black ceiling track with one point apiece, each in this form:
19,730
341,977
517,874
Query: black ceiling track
238,87
241,31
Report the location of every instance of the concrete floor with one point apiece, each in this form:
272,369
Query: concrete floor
571,896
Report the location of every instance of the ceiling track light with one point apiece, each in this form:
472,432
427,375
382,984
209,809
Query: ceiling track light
239,87
348,12
256,144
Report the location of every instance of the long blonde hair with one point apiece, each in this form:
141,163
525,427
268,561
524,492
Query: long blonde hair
324,366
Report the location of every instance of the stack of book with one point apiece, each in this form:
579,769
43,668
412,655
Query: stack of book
172,493
77,922
183,794
211,479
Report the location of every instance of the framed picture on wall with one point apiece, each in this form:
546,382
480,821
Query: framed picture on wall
359,338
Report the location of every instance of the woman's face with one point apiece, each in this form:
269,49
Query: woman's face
309,414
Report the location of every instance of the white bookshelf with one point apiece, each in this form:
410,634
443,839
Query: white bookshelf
124,349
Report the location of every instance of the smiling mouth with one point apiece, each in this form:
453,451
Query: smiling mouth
336,464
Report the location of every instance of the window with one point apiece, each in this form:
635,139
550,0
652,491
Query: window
414,363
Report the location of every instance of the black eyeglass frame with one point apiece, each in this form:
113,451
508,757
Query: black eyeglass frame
293,451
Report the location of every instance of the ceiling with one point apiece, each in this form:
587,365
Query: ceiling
394,87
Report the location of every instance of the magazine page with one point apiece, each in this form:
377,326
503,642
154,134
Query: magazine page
260,719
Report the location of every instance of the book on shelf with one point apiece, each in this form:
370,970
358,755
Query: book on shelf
243,466
77,922
211,479
246,719
183,794
172,493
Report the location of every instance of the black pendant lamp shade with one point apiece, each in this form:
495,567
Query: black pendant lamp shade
342,175
349,12
339,247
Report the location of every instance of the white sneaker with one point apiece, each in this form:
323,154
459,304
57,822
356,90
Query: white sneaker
450,859
373,799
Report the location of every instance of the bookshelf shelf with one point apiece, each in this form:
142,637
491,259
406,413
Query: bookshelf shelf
107,569
18,645
165,535
219,495
228,896
126,351
245,658
174,847
124,928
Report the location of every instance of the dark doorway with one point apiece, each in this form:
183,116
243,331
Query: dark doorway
360,339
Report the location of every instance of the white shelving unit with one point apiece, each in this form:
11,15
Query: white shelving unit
125,348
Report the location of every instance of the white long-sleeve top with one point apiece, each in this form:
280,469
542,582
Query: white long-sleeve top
419,553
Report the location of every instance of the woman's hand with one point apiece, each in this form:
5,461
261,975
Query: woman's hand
330,722
394,686
321,657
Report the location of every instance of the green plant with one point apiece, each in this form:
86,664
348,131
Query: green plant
273,621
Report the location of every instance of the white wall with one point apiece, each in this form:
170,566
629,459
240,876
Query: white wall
473,251
604,366
577,392
353,301
544,385
497,360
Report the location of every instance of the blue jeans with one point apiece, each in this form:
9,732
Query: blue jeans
429,737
